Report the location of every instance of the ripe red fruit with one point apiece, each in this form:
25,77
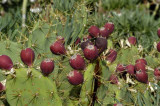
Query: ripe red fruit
140,66
47,66
85,44
91,52
157,73
109,26
111,56
120,68
5,62
60,39
158,32
132,40
78,40
104,32
141,61
113,79
101,44
77,62
94,31
75,77
58,48
158,46
130,69
142,76
27,56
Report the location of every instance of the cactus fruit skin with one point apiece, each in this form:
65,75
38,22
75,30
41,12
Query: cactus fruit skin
75,77
111,56
58,48
113,79
5,62
27,56
77,62
132,40
130,69
85,43
158,46
109,26
104,32
141,61
140,66
101,44
157,73
142,76
120,68
94,31
158,32
78,40
91,52
47,66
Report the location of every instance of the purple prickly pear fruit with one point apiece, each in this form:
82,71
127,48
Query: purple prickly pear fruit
132,40
109,26
85,43
60,39
75,77
104,32
142,76
2,87
113,79
111,56
58,48
140,66
158,32
94,31
91,52
47,66
101,44
141,61
158,46
5,62
120,68
130,69
27,56
157,73
77,62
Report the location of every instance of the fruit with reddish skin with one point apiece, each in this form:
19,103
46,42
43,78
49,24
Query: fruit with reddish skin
104,32
111,56
157,73
27,56
58,48
47,66
142,76
132,40
140,66
113,79
77,62
101,44
60,39
130,69
141,61
5,62
78,40
85,43
120,68
91,52
109,26
118,104
158,32
158,46
2,87
94,31
75,77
